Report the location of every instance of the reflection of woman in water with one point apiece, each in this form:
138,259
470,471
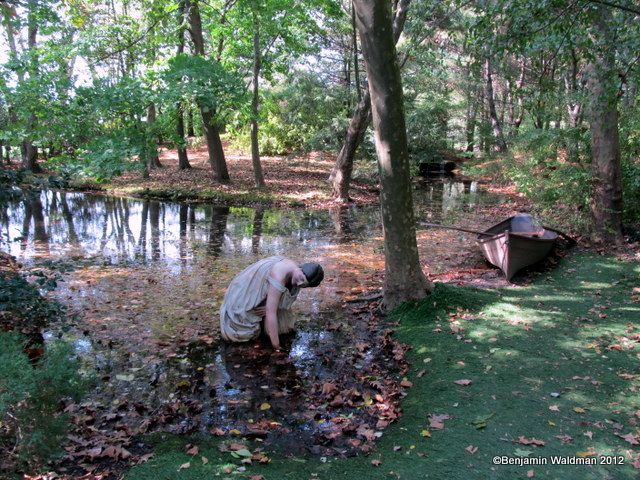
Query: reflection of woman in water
265,290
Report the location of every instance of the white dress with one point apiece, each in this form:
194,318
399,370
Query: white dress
248,290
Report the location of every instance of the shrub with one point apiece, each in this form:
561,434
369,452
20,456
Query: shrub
31,398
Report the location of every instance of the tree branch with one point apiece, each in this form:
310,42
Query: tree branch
615,5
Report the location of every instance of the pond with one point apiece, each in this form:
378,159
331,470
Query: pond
143,281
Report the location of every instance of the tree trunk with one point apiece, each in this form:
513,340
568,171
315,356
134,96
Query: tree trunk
341,174
154,159
211,129
191,130
404,279
606,197
470,127
255,148
183,158
354,42
29,150
496,126
340,177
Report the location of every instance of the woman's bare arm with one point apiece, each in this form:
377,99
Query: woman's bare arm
271,318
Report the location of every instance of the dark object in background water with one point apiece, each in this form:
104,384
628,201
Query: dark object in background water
437,168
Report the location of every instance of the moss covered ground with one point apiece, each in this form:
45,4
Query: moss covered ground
546,371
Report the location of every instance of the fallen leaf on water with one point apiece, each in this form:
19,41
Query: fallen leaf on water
471,449
463,382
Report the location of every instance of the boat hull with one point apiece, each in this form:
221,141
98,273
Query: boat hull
516,243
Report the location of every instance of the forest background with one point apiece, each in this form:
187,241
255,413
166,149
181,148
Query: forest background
93,89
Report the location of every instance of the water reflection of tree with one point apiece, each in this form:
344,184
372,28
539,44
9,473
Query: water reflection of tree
217,230
256,233
342,218
154,223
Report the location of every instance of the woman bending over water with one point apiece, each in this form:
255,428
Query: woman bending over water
265,291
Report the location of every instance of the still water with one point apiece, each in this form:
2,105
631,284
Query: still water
143,281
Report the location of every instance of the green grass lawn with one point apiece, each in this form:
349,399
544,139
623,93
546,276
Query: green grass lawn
552,362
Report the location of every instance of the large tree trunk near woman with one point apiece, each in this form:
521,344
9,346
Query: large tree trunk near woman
606,197
340,177
404,279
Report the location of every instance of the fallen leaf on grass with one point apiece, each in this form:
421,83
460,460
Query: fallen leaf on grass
531,474
588,434
265,406
481,422
437,421
463,382
205,460
192,450
256,477
530,441
554,408
631,438
589,453
184,466
425,433
565,438
145,458
522,453
406,384
579,410
376,462
471,449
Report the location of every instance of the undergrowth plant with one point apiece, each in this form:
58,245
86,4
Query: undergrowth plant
33,391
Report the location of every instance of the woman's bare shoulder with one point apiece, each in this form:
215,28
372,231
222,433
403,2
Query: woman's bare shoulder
281,269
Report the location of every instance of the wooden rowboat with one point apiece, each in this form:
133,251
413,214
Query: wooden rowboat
515,243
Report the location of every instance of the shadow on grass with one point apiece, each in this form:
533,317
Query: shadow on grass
556,362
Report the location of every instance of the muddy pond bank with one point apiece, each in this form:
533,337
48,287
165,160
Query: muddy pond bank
143,281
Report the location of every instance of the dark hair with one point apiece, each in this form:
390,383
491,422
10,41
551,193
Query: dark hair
313,272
